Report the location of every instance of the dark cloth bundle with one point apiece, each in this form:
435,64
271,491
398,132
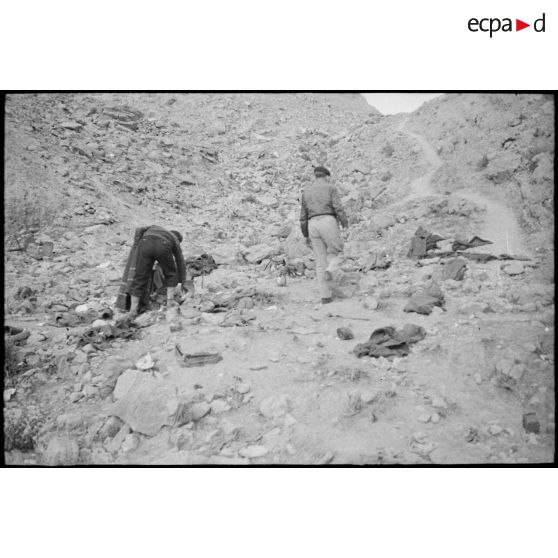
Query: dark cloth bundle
202,265
388,341
473,243
422,242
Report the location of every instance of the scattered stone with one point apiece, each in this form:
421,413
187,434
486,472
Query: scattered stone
275,407
253,452
219,406
110,428
345,333
289,421
258,253
439,403
130,443
79,357
495,429
145,363
75,396
245,303
114,445
423,418
515,268
242,387
199,410
82,309
213,319
435,418
474,307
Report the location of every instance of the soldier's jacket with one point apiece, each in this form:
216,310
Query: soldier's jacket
320,198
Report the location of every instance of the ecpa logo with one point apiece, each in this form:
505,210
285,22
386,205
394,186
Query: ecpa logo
494,24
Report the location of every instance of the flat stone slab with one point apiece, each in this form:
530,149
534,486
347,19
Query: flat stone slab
147,404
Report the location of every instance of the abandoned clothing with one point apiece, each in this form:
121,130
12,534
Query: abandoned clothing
326,239
388,341
473,243
320,198
422,242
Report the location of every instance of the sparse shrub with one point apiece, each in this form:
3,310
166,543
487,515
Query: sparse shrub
483,163
21,429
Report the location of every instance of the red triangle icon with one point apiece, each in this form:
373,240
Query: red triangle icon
519,25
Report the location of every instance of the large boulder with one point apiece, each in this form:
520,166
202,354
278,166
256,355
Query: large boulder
259,252
147,404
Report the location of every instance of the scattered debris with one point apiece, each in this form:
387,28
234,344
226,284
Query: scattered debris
388,341
196,359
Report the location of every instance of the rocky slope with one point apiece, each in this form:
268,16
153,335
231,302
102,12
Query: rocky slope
82,171
500,144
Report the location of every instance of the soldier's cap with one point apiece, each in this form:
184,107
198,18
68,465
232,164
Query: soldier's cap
321,170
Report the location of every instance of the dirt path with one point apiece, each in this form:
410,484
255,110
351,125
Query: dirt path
500,224
422,186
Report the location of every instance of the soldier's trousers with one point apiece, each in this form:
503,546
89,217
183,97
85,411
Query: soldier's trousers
327,245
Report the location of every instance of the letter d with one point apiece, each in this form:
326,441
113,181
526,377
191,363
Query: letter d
535,27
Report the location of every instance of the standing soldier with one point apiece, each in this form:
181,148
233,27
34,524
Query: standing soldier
321,213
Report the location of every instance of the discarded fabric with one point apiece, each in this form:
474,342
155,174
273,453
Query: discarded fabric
422,242
473,243
388,341
101,337
201,265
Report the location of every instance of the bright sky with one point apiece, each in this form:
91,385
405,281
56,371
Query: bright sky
392,103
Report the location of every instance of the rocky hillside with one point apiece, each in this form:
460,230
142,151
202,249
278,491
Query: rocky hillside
83,170
500,144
